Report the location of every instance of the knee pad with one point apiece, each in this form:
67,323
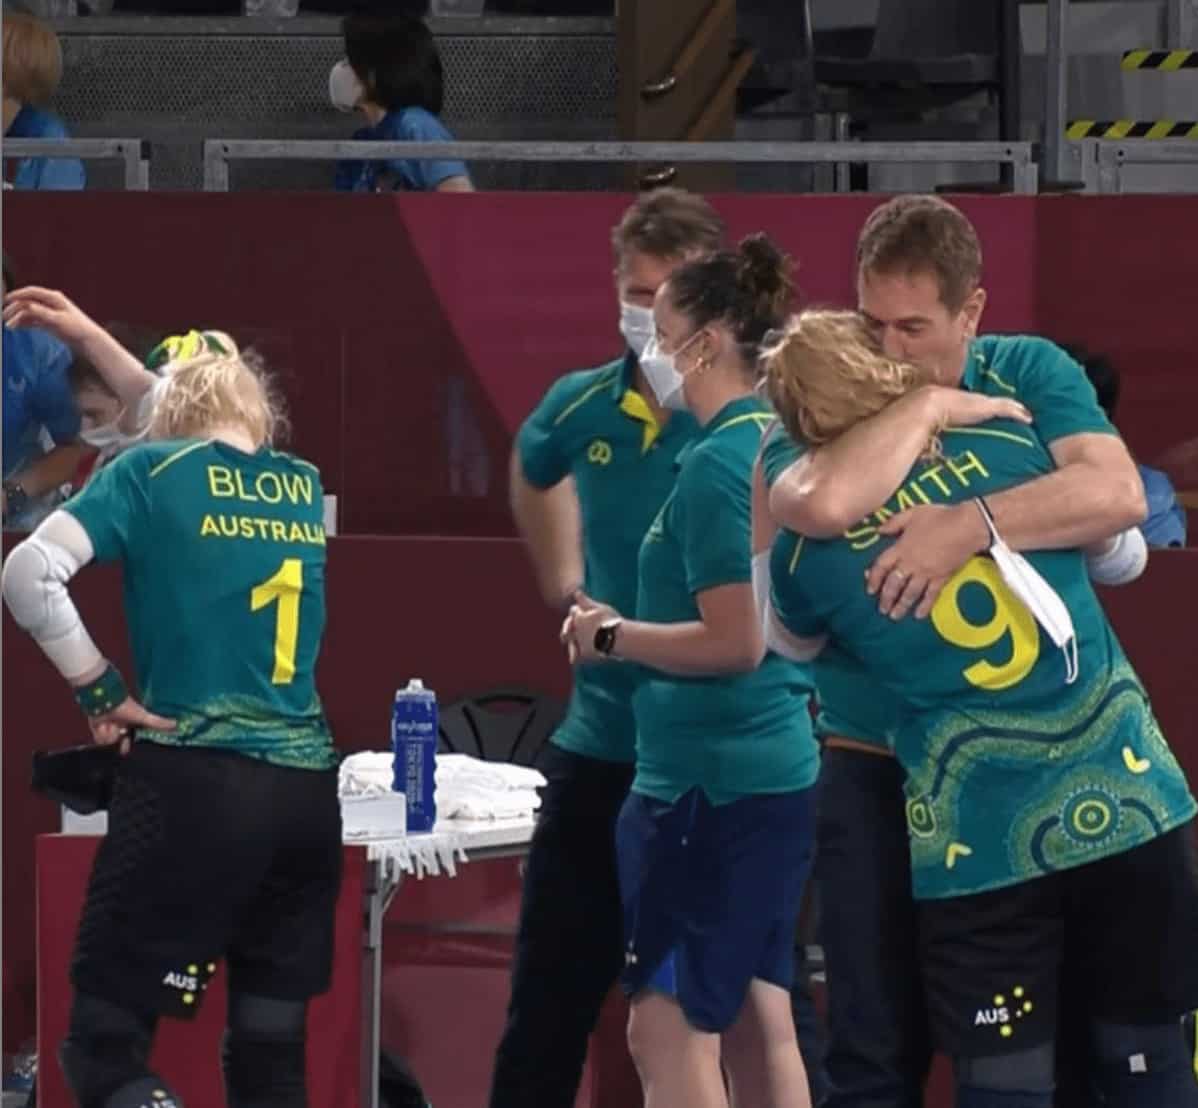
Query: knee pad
263,1052
106,1050
145,1092
1030,1073
1157,1055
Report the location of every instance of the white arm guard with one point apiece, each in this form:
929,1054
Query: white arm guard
34,586
777,638
1123,563
761,585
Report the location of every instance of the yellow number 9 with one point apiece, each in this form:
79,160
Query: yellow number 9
1010,618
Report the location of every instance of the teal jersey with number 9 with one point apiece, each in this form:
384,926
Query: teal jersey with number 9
223,555
1011,772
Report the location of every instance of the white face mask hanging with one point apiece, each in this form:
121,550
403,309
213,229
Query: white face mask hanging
1037,595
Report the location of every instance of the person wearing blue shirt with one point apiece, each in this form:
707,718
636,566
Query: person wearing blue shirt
40,422
32,71
392,75
1166,522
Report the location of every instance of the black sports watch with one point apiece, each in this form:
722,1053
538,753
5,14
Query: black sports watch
605,636
16,499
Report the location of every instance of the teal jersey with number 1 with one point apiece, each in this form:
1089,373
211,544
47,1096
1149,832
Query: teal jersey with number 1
223,555
1011,772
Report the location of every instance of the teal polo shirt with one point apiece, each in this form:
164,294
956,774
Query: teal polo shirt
734,735
595,426
1041,376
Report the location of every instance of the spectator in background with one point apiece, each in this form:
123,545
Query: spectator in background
32,310
1166,522
40,422
104,425
392,75
32,72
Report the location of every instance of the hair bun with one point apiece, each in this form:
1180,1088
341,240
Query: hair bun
761,265
763,274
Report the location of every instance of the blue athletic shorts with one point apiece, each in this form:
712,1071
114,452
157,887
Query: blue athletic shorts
711,896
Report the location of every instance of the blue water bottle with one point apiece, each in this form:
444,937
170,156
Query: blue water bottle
414,741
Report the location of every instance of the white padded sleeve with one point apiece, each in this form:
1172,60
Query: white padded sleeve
789,646
1123,563
761,585
34,584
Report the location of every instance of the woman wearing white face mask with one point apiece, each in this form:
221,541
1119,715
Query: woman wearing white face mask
110,385
392,75
714,841
105,423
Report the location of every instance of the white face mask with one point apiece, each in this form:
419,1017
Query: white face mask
636,325
345,90
107,436
1037,595
663,376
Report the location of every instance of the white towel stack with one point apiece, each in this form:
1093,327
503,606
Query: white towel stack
367,774
467,788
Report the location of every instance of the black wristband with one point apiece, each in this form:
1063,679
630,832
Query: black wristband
104,694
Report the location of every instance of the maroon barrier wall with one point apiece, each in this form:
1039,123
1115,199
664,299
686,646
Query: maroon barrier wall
464,615
374,308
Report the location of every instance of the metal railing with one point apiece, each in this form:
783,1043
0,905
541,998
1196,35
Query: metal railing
131,152
218,153
1103,161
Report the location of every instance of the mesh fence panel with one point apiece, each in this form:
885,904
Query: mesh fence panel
178,89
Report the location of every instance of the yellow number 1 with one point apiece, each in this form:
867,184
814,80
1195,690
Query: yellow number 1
1010,618
285,587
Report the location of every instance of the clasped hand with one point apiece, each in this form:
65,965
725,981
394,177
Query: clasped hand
579,627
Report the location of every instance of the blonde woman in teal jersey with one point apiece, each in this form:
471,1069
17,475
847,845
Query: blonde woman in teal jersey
714,842
1049,820
224,828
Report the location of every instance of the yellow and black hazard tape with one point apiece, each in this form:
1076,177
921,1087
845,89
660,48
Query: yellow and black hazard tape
1132,129
1167,60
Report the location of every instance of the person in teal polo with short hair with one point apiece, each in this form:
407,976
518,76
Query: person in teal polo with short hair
715,839
592,465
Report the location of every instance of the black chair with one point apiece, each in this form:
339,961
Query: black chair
502,725
927,55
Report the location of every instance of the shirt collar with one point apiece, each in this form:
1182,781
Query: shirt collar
747,408
975,365
750,406
626,378
633,404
